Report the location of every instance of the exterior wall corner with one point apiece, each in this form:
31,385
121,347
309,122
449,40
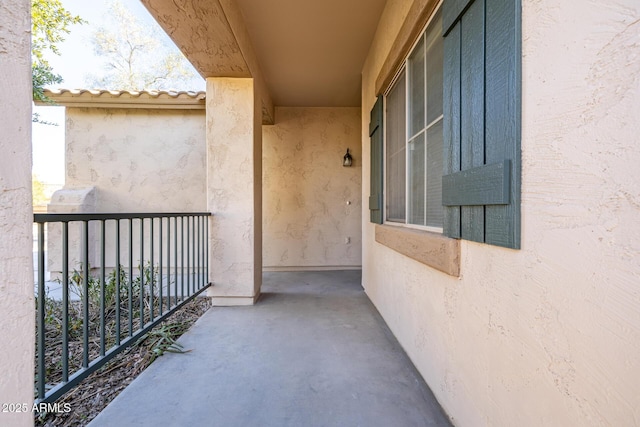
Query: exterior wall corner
17,320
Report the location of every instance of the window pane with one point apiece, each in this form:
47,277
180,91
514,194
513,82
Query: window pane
396,152
416,90
434,69
414,170
417,180
435,211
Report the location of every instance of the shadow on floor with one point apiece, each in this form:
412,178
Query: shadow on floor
312,352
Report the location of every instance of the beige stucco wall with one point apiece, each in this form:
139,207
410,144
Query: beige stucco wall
549,334
139,160
311,202
127,160
16,269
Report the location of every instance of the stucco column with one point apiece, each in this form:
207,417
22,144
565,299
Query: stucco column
234,190
17,323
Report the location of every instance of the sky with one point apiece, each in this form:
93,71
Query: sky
76,61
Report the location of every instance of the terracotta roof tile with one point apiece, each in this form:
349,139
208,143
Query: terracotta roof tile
126,99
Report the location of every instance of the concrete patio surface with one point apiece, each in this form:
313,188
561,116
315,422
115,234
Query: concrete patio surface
312,352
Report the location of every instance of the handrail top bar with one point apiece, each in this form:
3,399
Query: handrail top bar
66,217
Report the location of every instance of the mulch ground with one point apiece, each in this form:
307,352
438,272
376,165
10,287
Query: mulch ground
94,393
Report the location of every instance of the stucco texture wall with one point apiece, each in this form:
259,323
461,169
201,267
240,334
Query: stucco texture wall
17,323
234,190
139,160
549,334
311,202
127,160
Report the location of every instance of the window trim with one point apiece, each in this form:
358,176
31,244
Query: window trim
429,247
402,67
432,249
418,17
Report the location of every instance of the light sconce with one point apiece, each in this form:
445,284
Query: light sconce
347,161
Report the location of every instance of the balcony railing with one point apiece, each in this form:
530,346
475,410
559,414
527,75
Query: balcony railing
120,275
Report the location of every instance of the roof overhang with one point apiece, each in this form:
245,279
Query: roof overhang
213,37
299,53
154,100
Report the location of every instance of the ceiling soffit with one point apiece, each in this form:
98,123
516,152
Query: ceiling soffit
201,31
310,53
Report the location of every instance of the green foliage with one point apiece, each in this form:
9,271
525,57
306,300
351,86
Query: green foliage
38,192
135,56
163,340
160,340
53,318
50,22
43,75
53,308
50,312
94,288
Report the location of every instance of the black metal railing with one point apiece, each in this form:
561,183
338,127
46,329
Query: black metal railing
119,275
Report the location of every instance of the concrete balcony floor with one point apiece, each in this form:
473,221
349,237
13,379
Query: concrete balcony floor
312,352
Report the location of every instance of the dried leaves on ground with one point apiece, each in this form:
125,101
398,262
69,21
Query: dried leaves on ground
99,389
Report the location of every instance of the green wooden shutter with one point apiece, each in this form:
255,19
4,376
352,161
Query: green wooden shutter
376,134
481,182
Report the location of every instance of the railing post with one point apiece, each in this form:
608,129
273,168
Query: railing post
141,273
65,302
118,284
85,293
175,255
199,258
102,286
41,310
182,255
151,278
188,255
160,262
169,263
193,254
206,246
130,295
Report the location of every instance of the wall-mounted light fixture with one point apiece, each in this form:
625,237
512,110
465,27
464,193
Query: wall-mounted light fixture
347,160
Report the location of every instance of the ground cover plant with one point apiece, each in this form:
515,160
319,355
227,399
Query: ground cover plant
85,402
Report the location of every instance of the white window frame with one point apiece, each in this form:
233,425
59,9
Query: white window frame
403,69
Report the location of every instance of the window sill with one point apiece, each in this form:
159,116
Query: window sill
432,249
